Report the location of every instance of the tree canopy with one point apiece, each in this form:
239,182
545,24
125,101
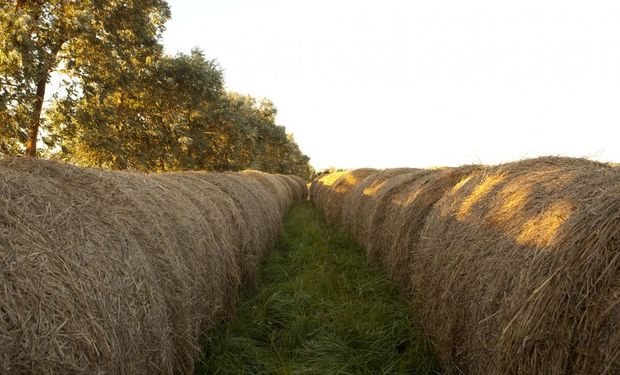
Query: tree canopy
122,103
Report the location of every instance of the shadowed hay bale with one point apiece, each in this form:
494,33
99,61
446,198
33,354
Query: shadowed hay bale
265,201
207,219
314,185
518,270
107,272
297,186
303,186
333,188
357,205
275,185
195,264
256,226
407,216
290,192
67,272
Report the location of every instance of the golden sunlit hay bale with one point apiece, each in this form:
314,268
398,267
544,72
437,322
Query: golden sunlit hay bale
406,213
518,270
381,216
361,202
335,187
321,186
119,272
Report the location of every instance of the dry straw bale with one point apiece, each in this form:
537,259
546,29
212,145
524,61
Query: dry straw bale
518,270
256,228
204,223
381,233
275,185
360,202
302,186
333,188
407,215
106,272
76,296
297,186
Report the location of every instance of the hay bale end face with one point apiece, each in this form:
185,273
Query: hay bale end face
122,272
512,269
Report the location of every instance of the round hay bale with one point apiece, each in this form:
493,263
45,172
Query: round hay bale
323,188
122,272
78,294
297,187
380,216
194,264
252,224
302,186
265,202
335,187
407,218
518,270
206,220
275,185
357,205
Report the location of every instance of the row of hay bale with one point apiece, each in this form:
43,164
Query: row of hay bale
121,273
511,269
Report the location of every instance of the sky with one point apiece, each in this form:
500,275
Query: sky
421,83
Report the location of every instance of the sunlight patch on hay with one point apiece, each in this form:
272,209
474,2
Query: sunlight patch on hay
540,229
479,192
372,190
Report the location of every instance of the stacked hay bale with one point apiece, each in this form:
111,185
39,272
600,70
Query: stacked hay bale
108,272
511,269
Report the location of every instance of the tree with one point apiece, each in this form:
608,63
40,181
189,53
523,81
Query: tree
174,115
156,120
88,39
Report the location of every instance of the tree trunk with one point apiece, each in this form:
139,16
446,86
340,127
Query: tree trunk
33,131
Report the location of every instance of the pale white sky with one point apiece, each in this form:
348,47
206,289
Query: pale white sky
421,83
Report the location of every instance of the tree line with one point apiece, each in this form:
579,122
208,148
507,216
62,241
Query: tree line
120,101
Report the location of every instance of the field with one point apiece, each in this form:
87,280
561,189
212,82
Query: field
475,269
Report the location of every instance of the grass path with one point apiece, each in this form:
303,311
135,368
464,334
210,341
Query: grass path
319,308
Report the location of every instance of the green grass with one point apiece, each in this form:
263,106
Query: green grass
319,309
